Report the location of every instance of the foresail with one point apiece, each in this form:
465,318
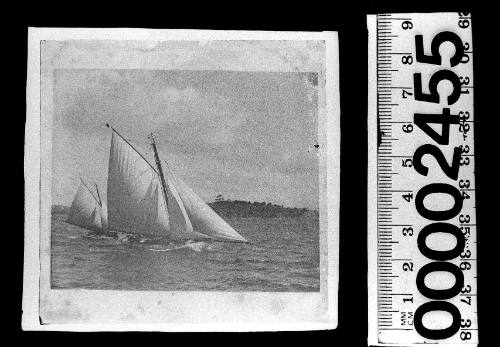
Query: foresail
203,219
85,210
180,224
135,201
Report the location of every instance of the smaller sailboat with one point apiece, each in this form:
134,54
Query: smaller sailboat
88,210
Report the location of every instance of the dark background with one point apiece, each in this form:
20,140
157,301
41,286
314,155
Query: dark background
349,19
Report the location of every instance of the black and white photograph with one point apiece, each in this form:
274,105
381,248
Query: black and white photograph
188,180
223,197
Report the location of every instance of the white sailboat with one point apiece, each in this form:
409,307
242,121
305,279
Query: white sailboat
151,200
87,210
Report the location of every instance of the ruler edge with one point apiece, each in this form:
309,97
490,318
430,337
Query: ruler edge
372,185
372,209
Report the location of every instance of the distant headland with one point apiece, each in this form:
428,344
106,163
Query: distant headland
239,208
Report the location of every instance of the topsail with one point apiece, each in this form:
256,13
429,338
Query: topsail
87,211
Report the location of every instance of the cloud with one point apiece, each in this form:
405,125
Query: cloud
172,94
244,134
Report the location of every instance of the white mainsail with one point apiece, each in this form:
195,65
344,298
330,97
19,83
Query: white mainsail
136,201
86,211
203,218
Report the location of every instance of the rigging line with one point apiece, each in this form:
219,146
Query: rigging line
140,154
98,195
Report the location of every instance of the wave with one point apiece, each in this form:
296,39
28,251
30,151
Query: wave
194,246
259,261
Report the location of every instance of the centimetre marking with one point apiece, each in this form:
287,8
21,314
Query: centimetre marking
385,170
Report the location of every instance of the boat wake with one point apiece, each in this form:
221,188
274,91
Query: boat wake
152,244
98,236
194,246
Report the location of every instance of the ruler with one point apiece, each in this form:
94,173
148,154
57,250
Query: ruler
421,187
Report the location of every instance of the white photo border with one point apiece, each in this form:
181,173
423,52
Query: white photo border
107,310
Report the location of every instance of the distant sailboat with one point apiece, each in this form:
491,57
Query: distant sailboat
151,200
87,210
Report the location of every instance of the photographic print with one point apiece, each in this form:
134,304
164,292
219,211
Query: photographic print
181,180
219,195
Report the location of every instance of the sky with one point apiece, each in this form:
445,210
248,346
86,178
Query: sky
246,135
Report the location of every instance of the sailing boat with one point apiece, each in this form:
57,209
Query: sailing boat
151,200
87,210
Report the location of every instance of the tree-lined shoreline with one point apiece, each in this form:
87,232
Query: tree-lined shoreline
239,208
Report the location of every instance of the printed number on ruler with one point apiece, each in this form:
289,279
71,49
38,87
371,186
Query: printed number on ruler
439,258
424,107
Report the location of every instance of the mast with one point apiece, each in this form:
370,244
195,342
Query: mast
98,195
160,170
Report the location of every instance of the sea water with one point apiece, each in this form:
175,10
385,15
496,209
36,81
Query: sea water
283,256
